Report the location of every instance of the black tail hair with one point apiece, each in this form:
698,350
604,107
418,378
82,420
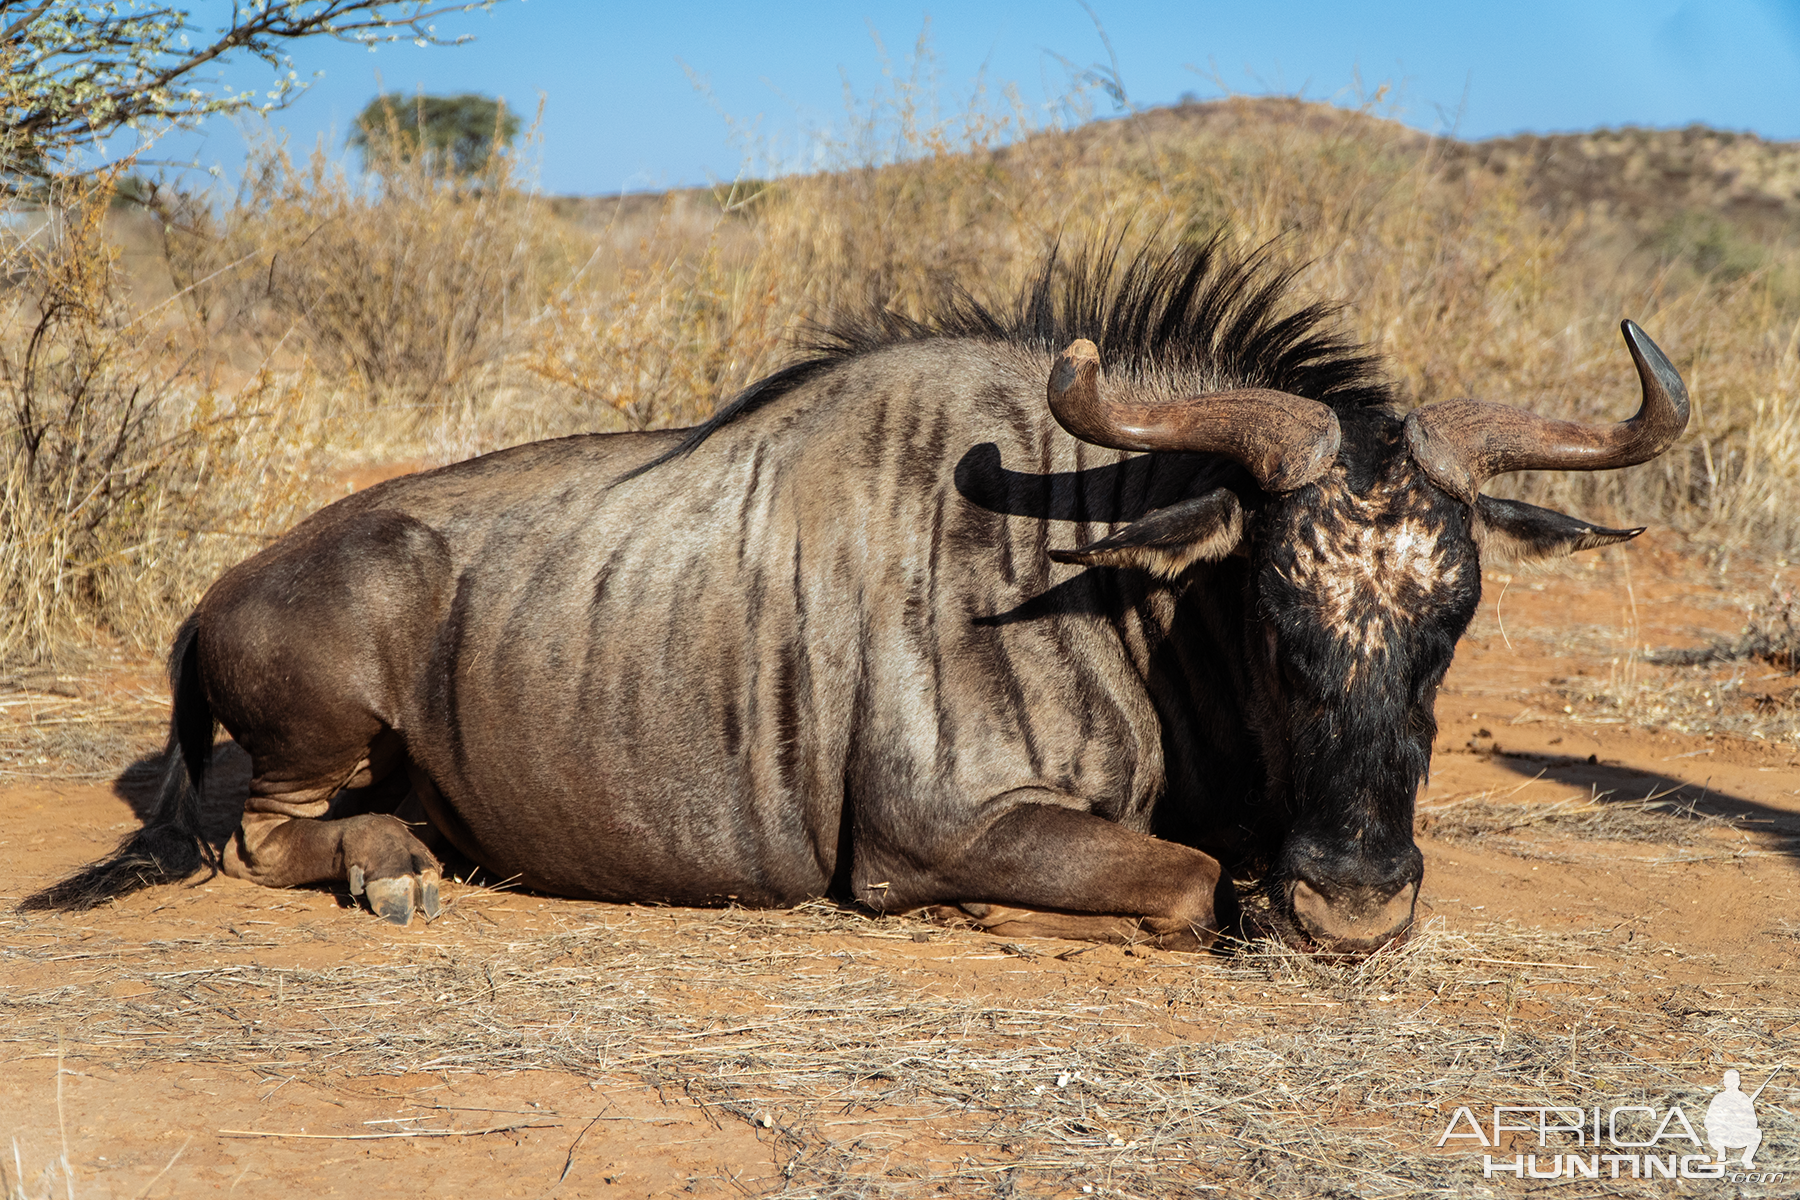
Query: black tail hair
172,845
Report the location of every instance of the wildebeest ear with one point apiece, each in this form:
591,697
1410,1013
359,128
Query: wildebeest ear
1169,540
1519,532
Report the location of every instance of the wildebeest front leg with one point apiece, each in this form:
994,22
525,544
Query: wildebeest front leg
1077,875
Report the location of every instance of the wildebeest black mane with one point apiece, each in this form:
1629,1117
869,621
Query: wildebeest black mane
1197,309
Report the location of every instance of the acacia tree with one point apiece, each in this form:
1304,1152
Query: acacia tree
457,135
73,72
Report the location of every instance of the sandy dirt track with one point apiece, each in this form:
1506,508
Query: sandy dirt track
1613,917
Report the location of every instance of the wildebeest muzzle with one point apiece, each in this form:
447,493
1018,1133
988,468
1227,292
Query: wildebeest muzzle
1350,899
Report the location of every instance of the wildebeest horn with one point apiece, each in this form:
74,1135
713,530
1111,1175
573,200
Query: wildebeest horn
1285,441
1461,444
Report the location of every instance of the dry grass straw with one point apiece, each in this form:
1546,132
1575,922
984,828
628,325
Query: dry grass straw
407,288
1692,699
1267,1071
64,728
1600,817
1743,684
129,472
1771,635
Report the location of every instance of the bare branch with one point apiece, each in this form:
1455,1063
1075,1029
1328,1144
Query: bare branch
75,72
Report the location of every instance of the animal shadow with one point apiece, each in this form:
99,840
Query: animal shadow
221,799
1673,797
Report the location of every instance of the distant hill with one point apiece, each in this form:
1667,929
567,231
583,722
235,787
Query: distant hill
1649,180
1643,176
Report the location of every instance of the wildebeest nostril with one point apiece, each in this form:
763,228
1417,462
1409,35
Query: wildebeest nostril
1353,918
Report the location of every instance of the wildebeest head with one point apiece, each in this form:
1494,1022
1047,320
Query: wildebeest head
1363,533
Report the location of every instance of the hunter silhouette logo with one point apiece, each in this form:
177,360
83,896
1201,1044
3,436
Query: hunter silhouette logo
1731,1119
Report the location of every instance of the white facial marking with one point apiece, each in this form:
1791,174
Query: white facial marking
1367,560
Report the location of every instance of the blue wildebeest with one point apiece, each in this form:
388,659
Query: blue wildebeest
837,640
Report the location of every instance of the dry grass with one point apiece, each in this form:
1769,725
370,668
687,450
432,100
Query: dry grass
127,467
1745,684
1601,817
410,289
1754,703
75,726
318,322
1771,635
1265,1072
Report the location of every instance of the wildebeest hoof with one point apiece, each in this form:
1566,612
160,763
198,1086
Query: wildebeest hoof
387,865
395,900
392,900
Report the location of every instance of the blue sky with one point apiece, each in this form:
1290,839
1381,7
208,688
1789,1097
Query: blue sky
652,95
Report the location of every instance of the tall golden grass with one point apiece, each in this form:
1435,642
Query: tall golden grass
130,468
318,321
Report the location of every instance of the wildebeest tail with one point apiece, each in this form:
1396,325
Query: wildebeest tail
171,845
